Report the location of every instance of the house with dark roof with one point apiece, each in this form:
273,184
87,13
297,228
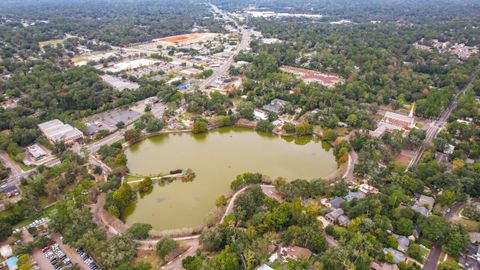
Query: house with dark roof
276,106
357,195
397,256
336,202
403,242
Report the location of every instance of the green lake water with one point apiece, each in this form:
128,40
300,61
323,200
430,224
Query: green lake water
216,158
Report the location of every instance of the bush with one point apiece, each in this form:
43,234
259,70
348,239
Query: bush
200,126
264,126
166,246
289,128
304,129
139,230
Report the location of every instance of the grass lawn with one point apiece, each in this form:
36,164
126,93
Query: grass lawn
148,256
471,225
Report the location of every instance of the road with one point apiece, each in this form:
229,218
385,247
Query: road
223,69
9,163
352,161
437,125
434,255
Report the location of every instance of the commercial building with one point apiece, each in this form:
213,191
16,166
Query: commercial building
56,131
36,151
394,121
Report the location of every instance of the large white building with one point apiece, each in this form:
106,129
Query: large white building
57,131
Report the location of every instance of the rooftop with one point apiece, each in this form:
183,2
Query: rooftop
56,130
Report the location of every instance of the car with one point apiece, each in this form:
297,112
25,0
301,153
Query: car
45,249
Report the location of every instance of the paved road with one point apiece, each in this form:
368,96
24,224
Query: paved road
437,125
434,255
223,69
432,259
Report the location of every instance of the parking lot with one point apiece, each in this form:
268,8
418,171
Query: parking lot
58,259
108,120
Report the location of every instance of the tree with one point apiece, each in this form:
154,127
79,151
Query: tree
416,136
221,201
392,242
304,129
115,251
289,128
416,252
139,230
132,136
434,228
154,125
246,110
447,198
404,226
264,126
214,239
5,230
145,185
200,126
457,240
166,246
120,124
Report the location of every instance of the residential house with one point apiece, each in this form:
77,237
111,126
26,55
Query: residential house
403,242
357,195
260,114
294,253
343,221
276,106
336,202
333,216
264,267
383,266
424,205
398,256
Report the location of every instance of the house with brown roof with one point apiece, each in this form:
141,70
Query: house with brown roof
294,253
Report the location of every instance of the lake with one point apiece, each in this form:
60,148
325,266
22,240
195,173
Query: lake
216,158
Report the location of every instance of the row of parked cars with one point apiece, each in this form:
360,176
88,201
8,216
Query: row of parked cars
57,257
87,259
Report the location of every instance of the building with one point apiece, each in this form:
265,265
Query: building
264,267
400,120
398,256
403,242
357,195
333,216
294,253
56,131
343,221
260,114
36,151
424,205
11,191
336,202
394,121
383,266
366,188
276,106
